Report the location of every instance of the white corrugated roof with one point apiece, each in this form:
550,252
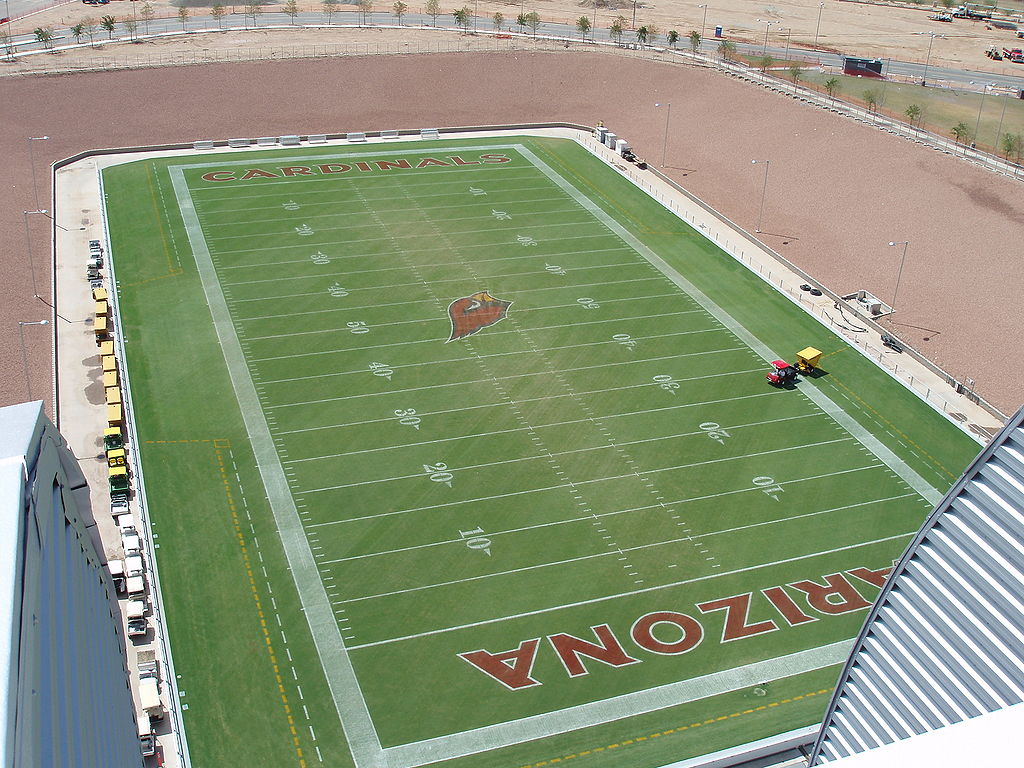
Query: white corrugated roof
944,642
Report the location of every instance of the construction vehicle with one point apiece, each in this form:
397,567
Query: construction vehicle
783,374
965,12
994,53
1016,55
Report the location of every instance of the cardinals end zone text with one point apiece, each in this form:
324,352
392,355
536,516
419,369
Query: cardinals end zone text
671,633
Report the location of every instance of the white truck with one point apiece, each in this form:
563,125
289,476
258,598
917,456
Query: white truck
147,740
135,612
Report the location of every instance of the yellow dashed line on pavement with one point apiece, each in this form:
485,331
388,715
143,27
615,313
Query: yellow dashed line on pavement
677,729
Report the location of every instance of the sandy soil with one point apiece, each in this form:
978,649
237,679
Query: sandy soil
899,30
839,191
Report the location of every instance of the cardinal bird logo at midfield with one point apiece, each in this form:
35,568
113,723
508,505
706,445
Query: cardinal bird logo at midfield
472,313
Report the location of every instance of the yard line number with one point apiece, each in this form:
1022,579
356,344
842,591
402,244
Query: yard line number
336,290
768,486
438,473
666,382
587,303
320,258
625,340
475,539
382,369
357,326
715,431
407,417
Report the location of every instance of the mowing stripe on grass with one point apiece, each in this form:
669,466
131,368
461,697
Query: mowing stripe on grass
808,390
334,659
618,707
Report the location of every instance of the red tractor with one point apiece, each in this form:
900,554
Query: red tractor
782,373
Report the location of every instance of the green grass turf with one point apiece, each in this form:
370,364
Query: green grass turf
582,491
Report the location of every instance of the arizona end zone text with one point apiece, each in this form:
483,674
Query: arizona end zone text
679,633
360,166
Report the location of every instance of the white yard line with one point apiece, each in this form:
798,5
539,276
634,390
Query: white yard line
601,447
633,592
641,385
807,387
334,658
457,470
641,412
445,321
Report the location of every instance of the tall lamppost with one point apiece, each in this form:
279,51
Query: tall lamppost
999,130
767,25
977,125
817,26
899,274
789,36
28,247
928,58
704,23
664,144
32,162
634,15
24,355
764,188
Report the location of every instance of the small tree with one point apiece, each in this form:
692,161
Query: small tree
672,37
462,18
131,26
872,97
794,72
433,10
641,35
44,35
832,87
533,21
183,16
583,25
399,9
652,34
291,10
6,44
727,50
218,11
147,14
961,132
695,40
764,63
497,20
913,113
90,27
253,8
366,9
329,8
615,29
108,23
77,32
1011,145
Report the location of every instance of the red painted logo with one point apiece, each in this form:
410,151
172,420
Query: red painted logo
473,313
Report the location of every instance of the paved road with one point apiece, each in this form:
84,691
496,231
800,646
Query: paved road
916,71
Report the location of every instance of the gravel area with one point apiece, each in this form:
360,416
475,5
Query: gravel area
838,191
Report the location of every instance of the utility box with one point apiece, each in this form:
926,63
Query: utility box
601,133
610,139
718,31
621,147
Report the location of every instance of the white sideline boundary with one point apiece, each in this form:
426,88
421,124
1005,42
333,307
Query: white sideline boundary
360,733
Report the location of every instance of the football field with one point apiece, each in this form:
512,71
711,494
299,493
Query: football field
462,452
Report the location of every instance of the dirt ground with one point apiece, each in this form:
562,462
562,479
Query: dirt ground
899,30
839,191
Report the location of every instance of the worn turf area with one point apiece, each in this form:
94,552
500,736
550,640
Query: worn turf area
470,442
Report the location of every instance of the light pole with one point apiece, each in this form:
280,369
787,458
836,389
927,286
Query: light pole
789,36
764,188
899,274
32,162
28,247
767,26
817,26
977,125
999,130
704,23
24,355
928,58
664,144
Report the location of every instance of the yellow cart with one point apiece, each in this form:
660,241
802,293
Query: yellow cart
807,359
